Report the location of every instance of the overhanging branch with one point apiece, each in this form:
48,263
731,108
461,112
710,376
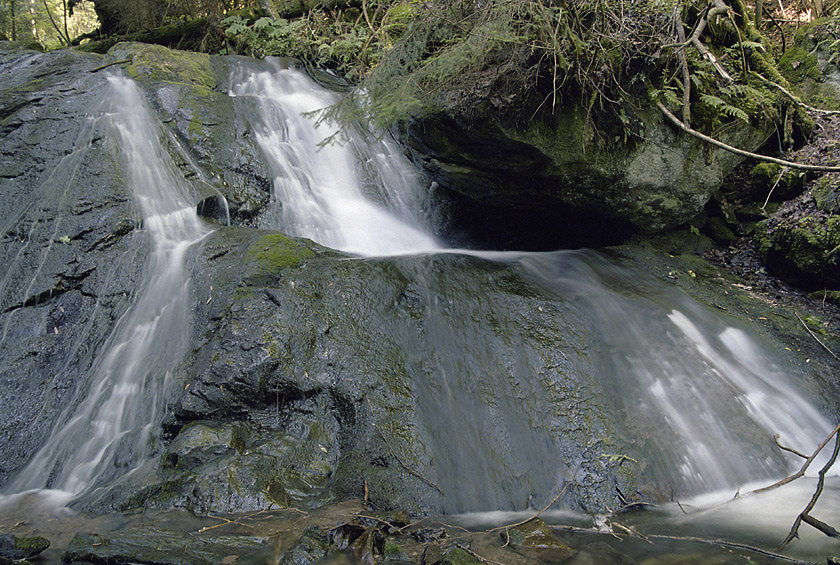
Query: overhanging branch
801,166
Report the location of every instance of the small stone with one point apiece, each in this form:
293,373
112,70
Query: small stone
535,539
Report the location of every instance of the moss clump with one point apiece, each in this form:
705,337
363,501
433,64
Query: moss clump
161,64
270,254
769,176
804,251
15,548
798,64
826,193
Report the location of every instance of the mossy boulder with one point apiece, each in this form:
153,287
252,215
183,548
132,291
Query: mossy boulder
268,256
812,64
802,244
566,178
17,548
312,545
189,92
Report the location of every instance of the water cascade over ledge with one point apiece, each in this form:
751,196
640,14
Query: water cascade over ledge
707,396
111,425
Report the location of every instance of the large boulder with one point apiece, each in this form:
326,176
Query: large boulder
566,178
316,377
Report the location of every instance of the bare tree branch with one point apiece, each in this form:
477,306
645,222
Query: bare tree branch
804,515
804,467
676,121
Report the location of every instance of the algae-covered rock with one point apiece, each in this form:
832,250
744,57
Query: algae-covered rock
555,181
189,90
802,244
156,546
536,540
312,545
16,548
70,256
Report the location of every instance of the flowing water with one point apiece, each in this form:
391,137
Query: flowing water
348,192
110,427
702,396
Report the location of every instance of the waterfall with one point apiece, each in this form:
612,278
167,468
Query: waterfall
699,396
341,189
110,426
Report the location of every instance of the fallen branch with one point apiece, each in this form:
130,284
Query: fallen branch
804,467
110,65
732,545
815,336
821,526
804,515
676,121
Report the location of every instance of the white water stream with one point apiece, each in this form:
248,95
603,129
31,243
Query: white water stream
352,193
111,424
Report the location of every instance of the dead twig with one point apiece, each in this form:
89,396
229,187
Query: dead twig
476,555
804,467
775,184
406,467
804,516
397,457
676,121
124,61
789,449
525,521
794,98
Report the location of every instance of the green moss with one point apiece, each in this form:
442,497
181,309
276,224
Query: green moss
826,193
798,64
161,64
270,254
832,296
804,252
458,556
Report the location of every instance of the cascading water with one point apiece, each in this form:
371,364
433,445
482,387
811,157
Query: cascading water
702,397
109,427
351,194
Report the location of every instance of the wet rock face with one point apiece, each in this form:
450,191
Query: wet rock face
69,253
314,378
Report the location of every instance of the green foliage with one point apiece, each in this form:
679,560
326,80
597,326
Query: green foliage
346,42
526,56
